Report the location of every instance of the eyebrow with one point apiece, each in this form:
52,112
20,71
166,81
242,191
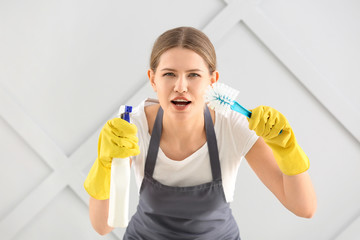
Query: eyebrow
190,70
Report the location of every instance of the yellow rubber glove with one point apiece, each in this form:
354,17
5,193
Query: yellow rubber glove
268,123
117,140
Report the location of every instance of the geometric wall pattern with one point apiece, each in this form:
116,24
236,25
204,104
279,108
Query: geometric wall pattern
56,197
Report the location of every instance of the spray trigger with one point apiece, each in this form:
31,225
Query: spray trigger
124,112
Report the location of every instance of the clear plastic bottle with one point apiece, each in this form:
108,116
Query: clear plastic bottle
120,184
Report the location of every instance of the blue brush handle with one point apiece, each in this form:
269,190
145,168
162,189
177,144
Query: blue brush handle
240,109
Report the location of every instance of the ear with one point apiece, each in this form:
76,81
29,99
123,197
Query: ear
151,75
214,77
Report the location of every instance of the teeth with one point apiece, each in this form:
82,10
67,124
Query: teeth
180,100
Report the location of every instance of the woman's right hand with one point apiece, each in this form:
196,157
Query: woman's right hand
117,140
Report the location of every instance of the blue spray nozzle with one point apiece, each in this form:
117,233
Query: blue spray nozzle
128,109
124,112
126,117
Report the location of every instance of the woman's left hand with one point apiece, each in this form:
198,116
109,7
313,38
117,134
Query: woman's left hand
278,135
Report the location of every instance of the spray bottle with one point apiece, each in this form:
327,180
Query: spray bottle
120,184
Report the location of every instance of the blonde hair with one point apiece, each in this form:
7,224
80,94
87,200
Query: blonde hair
184,37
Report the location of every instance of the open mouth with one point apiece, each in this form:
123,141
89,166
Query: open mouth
180,102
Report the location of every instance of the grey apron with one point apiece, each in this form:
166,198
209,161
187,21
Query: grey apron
180,213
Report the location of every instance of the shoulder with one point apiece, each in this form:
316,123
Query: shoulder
145,108
143,113
232,120
150,113
232,130
142,117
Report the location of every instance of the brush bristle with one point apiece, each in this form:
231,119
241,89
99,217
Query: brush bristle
220,97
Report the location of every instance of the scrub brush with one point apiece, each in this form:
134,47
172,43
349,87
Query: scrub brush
220,97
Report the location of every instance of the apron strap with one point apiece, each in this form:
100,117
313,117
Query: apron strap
154,144
210,137
212,146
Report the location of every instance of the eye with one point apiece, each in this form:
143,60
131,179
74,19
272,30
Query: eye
168,74
194,75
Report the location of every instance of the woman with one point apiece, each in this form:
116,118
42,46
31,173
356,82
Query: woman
187,156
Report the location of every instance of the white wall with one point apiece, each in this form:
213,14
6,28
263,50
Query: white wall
66,67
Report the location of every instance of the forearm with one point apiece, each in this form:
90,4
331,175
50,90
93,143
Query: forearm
299,195
289,180
98,211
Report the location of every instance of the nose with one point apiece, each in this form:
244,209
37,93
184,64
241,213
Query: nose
181,84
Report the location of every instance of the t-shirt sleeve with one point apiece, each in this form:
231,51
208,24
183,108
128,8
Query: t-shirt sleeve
243,138
138,118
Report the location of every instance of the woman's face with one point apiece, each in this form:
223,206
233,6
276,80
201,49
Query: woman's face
180,81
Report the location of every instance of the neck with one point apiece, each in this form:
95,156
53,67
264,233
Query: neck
180,131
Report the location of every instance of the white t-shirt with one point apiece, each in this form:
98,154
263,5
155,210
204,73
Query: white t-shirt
234,140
